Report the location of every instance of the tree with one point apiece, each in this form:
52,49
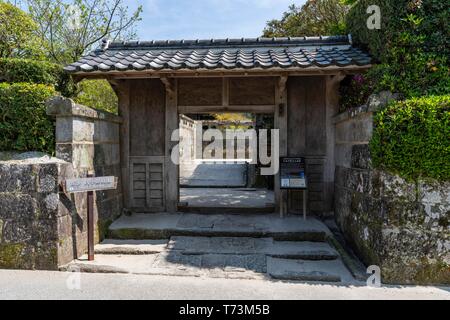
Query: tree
97,94
71,28
17,33
315,17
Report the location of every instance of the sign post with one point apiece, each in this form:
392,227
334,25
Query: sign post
89,185
293,177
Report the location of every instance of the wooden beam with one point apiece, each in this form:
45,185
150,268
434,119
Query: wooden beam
204,73
124,111
172,124
169,84
226,92
281,123
266,109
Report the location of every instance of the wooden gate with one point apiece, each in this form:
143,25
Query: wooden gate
147,184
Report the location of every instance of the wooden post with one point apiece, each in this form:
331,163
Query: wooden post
90,222
332,109
122,89
172,124
281,123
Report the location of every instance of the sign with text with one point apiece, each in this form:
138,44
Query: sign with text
90,184
293,174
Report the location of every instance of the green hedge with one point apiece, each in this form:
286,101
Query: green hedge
40,72
24,124
412,138
433,14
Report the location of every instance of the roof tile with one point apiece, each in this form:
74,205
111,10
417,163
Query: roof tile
245,53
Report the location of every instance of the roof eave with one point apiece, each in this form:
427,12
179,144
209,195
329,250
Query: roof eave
79,75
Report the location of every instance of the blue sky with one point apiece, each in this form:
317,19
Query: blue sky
193,19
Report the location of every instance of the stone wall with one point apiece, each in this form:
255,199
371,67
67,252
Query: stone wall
400,226
89,139
31,214
40,226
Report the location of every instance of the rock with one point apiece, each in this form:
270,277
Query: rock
381,100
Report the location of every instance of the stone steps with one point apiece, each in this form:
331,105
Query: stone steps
219,246
251,266
303,270
131,247
222,257
165,226
268,209
223,246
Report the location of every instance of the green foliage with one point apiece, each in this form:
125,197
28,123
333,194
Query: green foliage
411,138
97,94
411,47
40,72
355,91
428,18
70,28
315,17
24,124
17,33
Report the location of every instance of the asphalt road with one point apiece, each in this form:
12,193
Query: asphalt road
68,286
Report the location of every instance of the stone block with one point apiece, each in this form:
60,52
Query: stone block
64,152
17,231
17,206
83,156
107,132
397,187
435,197
102,154
343,155
64,130
359,181
44,231
361,157
17,178
48,178
83,130
46,256
15,256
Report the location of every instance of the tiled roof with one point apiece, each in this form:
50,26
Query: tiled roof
232,54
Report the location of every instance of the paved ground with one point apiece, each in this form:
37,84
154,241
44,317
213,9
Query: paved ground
220,246
219,257
199,174
227,197
54,285
271,225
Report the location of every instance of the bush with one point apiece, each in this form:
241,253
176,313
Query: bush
97,94
433,16
40,72
411,138
412,47
24,124
354,91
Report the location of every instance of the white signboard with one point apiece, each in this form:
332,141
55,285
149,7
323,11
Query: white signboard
90,184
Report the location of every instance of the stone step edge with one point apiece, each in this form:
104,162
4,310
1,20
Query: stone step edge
314,276
149,234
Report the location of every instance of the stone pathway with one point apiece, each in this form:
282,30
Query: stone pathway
198,174
220,246
227,197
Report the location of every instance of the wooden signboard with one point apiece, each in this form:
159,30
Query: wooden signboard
89,185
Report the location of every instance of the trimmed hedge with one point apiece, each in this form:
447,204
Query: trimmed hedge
39,72
24,124
412,138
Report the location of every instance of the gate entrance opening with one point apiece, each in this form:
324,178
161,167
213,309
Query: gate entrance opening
219,164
